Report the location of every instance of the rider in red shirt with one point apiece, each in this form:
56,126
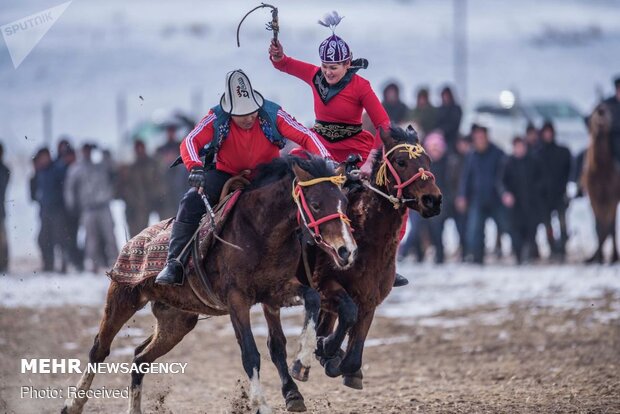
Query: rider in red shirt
245,130
340,97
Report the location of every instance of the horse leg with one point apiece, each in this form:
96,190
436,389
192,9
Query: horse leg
352,362
598,255
276,342
325,326
240,317
328,349
121,304
172,326
307,346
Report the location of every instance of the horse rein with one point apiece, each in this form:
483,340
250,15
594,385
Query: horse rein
414,151
304,214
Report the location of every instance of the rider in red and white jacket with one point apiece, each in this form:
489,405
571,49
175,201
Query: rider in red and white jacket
245,130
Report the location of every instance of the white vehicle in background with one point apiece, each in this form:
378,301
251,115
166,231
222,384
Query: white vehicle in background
508,119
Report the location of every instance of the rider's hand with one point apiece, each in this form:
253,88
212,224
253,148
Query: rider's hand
276,52
196,177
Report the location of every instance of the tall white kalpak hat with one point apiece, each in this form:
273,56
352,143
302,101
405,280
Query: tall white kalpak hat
239,98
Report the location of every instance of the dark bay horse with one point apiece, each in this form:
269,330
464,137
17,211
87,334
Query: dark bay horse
264,223
400,179
601,180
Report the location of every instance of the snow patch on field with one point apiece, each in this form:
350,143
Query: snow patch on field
433,289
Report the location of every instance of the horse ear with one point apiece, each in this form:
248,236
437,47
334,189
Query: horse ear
411,130
301,174
387,139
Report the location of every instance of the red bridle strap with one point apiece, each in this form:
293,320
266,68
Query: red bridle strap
304,213
414,152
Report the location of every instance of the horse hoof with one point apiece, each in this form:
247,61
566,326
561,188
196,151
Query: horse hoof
354,382
332,367
296,405
299,372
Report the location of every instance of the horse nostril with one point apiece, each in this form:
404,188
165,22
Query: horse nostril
438,201
428,201
344,253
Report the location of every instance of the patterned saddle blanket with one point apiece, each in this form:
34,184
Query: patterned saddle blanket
144,256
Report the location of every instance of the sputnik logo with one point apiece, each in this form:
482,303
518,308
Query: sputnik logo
21,36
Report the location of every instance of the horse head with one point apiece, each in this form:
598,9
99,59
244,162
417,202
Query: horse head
599,122
317,191
403,169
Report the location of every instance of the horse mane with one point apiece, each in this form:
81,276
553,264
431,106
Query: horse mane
282,167
404,135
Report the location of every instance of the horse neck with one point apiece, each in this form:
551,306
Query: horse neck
270,210
599,156
381,221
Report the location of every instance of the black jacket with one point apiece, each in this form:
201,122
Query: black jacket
396,111
449,121
556,166
522,178
481,183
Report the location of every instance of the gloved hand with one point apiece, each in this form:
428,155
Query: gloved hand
276,51
196,177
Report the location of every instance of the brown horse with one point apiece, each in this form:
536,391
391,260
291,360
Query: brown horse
264,222
601,180
400,179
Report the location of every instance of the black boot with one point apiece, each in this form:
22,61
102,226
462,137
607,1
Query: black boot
181,234
400,280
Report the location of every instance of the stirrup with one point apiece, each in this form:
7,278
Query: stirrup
169,276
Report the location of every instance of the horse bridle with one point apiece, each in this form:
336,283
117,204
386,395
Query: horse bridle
414,151
304,214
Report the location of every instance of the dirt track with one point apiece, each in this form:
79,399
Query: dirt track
521,359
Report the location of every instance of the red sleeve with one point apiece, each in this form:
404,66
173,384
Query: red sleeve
200,136
375,110
302,70
299,134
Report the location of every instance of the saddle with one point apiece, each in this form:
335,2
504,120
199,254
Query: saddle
143,257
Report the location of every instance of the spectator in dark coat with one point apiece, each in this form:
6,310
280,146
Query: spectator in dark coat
456,164
139,187
66,157
5,174
424,115
47,190
532,138
480,191
174,180
449,116
395,108
521,198
613,103
556,160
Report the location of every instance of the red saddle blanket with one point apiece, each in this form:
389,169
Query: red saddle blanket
144,256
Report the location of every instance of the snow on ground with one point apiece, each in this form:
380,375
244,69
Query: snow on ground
432,289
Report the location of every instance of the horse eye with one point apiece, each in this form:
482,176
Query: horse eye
314,206
401,163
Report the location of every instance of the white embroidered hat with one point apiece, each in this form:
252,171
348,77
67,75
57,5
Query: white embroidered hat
239,98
